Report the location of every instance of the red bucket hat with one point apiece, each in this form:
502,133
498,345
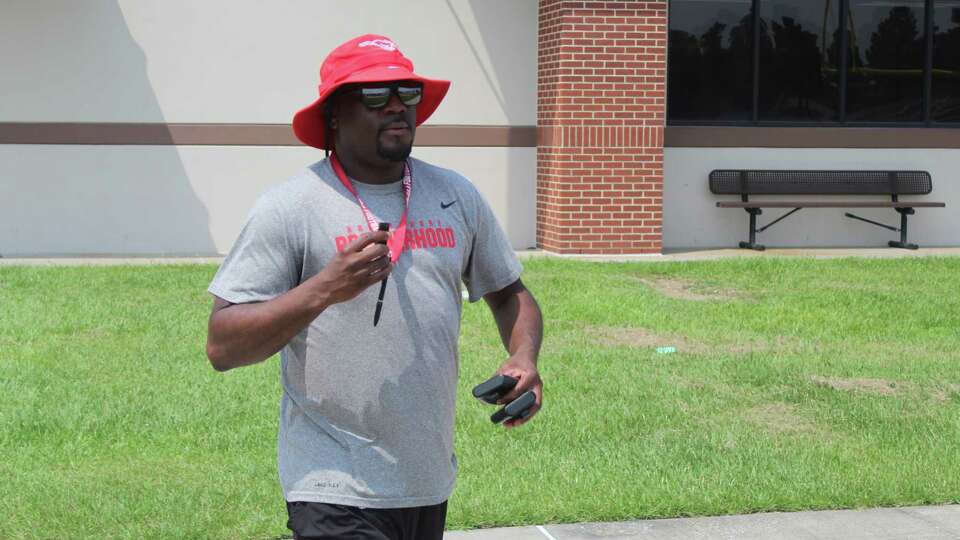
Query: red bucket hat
368,58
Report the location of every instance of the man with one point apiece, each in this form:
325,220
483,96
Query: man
365,446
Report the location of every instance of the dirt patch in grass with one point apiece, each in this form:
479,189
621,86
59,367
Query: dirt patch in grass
944,395
688,290
643,338
881,387
783,344
779,418
91,334
608,336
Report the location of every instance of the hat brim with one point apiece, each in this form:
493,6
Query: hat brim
309,124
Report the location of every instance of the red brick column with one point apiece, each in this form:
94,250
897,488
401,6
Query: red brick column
601,100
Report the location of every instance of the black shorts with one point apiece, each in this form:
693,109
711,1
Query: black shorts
316,521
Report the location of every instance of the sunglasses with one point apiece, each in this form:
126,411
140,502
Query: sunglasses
375,97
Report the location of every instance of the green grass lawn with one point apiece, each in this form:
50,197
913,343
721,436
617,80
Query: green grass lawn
795,384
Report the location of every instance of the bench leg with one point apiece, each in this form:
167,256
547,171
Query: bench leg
903,244
752,244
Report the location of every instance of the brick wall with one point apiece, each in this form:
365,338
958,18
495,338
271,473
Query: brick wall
600,112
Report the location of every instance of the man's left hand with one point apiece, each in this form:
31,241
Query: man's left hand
523,368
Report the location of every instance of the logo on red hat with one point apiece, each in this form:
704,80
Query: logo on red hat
384,44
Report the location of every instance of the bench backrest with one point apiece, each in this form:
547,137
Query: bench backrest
742,182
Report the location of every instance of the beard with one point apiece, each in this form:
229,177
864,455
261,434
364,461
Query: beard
394,152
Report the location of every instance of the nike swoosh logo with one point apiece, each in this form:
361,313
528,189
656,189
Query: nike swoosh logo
447,205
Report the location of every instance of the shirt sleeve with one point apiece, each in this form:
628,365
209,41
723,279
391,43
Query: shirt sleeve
264,262
492,263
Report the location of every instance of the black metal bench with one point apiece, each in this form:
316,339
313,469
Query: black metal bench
892,183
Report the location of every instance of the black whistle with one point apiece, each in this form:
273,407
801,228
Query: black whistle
383,284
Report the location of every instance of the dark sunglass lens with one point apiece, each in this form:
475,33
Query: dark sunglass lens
409,95
375,97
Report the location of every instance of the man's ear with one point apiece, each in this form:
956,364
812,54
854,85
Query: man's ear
329,115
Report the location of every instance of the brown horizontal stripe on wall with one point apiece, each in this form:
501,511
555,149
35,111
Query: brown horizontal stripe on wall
91,133
809,137
512,136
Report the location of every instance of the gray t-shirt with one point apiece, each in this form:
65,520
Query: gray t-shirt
366,416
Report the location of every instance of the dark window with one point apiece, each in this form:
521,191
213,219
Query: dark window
945,90
799,51
885,63
711,60
853,62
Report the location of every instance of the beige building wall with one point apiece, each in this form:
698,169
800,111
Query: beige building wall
189,200
229,62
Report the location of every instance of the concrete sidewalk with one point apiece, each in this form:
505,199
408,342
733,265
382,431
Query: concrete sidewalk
908,523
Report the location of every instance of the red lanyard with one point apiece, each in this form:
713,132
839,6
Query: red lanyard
396,242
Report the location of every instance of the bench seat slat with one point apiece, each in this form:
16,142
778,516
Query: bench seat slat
829,204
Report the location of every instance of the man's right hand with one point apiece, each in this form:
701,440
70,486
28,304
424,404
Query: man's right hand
362,263
243,334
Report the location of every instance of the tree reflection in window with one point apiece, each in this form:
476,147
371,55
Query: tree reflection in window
711,60
945,91
885,64
798,60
